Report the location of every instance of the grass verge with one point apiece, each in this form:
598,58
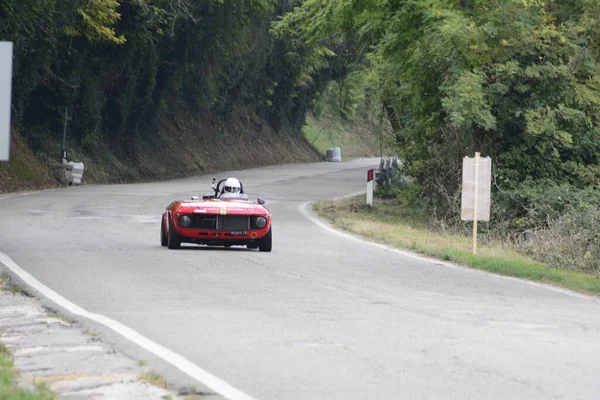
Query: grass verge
9,389
154,378
383,224
8,381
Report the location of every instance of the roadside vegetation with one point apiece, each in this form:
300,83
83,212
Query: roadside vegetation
561,260
154,378
153,89
515,80
9,390
6,286
157,90
345,116
518,81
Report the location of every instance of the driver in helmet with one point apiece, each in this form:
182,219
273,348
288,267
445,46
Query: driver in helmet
232,189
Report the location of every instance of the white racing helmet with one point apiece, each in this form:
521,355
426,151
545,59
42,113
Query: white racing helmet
232,185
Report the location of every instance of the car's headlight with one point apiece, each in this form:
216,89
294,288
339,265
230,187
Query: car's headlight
261,222
185,221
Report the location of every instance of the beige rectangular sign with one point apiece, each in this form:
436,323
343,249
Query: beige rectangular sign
6,58
476,188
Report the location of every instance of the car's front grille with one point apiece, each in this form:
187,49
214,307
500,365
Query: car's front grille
220,222
208,222
233,222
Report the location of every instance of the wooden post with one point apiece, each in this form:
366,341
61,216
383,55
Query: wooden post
476,200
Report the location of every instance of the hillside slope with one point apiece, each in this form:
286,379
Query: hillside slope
189,145
182,146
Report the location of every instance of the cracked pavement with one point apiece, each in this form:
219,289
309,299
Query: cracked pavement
72,362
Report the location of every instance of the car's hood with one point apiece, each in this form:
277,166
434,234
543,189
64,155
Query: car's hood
225,207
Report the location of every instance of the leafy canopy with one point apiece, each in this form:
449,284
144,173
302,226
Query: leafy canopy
515,79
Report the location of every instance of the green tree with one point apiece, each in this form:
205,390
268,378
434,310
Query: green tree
517,80
98,19
121,67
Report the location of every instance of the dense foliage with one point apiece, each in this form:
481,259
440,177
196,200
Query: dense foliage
120,66
517,80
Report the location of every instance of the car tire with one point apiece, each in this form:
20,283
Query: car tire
173,240
266,242
164,240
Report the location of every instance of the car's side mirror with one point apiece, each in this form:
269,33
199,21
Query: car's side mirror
260,201
195,197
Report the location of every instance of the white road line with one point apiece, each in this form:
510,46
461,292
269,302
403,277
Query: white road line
307,214
186,366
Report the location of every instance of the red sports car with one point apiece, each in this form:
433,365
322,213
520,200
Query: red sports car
217,221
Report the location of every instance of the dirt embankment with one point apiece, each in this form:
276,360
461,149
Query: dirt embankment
182,146
24,171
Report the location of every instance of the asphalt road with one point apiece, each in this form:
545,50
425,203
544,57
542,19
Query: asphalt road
322,316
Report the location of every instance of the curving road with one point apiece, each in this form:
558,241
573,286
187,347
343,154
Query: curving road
321,317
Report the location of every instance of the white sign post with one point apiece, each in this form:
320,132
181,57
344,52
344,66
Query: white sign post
476,192
6,58
370,174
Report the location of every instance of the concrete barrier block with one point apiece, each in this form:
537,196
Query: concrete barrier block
77,172
63,173
334,154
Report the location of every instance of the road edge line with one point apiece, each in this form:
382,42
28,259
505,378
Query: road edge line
217,384
316,220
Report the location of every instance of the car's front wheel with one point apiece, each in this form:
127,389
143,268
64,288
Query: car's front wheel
164,240
174,240
266,242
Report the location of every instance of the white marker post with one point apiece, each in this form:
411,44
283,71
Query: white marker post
476,192
370,174
6,60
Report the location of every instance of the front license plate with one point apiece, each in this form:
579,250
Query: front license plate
239,233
